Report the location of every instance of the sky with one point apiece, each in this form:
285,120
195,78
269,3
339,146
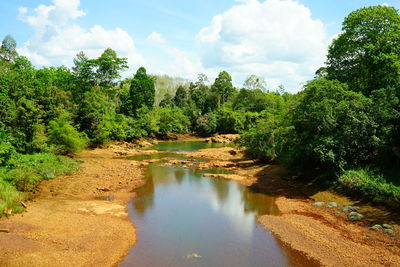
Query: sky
282,41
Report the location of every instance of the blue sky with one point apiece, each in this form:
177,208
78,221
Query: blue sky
283,41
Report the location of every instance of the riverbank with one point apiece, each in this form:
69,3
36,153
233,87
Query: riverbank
78,219
320,233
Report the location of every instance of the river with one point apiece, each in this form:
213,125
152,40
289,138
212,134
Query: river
185,219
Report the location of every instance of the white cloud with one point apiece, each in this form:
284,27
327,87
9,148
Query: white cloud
276,39
175,62
57,38
156,38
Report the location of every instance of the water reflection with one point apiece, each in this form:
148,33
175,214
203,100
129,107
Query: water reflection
179,212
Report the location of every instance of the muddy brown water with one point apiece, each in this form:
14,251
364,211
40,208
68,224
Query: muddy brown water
185,219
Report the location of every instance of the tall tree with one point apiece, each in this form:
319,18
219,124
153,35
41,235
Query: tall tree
180,98
109,66
8,50
366,55
254,82
223,87
142,90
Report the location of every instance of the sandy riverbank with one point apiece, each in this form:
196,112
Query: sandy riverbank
325,235
76,220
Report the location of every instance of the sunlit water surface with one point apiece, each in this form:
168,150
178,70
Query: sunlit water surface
185,219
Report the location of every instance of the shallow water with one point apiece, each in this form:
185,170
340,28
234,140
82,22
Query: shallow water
185,219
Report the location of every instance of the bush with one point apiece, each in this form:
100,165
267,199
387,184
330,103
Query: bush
65,137
7,153
10,198
370,185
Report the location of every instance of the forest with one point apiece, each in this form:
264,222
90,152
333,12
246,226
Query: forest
342,128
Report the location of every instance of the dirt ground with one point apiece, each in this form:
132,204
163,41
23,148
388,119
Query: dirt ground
322,234
76,220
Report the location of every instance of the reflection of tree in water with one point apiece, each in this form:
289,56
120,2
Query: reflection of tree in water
179,175
145,195
258,202
221,188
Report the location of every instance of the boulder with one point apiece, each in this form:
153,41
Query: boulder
387,226
376,227
350,208
318,204
389,232
332,205
355,216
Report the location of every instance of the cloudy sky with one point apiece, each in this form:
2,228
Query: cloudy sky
283,41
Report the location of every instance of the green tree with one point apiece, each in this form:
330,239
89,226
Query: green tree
366,55
180,99
142,90
334,128
167,101
109,67
254,82
223,87
8,50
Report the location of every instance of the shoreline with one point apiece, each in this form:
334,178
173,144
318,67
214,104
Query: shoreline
76,220
321,234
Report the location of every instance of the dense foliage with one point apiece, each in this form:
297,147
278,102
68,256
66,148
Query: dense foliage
347,118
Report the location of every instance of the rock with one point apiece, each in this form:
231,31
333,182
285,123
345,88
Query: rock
355,216
332,205
4,231
318,204
389,232
387,226
376,227
194,255
350,208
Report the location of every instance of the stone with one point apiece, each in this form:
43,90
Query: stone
4,231
355,216
332,205
376,227
389,232
387,226
318,204
193,255
350,208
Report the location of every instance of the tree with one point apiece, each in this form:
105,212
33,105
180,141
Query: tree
84,73
108,67
167,100
142,90
8,50
334,128
223,87
180,98
366,55
254,82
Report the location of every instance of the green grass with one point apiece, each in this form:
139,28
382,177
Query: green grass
23,175
370,185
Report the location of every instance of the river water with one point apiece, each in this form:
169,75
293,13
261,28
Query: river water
185,219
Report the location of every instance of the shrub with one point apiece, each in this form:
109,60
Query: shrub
370,185
65,137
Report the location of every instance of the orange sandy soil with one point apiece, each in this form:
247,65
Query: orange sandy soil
71,222
321,234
